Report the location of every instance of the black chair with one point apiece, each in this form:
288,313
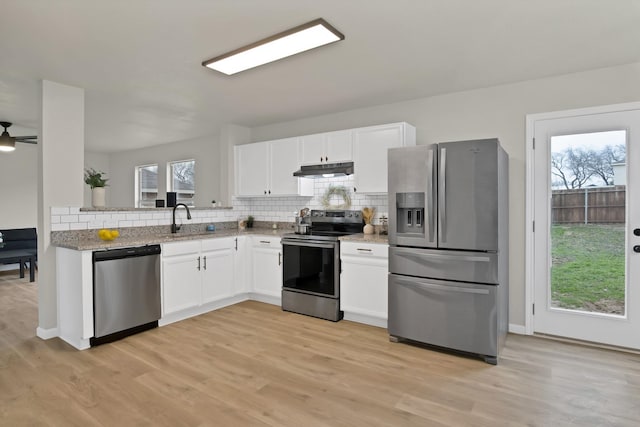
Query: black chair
19,246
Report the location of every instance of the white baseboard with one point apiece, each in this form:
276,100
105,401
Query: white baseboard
202,309
366,319
46,334
268,299
517,329
80,344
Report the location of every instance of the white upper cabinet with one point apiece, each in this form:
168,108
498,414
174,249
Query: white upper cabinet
266,169
370,146
252,169
329,147
284,160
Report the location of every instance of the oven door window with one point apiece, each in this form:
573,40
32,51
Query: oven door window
310,268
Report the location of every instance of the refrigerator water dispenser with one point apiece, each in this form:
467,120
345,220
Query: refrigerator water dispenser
410,213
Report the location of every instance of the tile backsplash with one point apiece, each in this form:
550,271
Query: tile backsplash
284,208
271,209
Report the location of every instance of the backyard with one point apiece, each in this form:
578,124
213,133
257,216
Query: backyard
588,267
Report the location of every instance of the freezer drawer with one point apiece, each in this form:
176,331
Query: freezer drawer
459,316
474,267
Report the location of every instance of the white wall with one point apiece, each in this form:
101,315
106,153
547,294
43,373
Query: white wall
205,151
99,162
19,186
491,112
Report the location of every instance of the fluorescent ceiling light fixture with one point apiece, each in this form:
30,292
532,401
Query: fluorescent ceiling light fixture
296,40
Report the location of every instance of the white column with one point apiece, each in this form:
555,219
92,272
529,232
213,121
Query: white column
61,181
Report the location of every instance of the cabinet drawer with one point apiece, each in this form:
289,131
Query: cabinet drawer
219,243
266,242
372,250
181,248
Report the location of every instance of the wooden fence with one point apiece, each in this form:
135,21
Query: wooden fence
594,205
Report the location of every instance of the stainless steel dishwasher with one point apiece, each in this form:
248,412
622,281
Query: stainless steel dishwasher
126,292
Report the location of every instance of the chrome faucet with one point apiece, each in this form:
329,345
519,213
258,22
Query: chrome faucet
174,227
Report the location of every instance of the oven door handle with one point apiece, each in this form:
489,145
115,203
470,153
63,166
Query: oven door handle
309,244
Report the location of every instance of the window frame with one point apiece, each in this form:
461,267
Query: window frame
190,201
138,200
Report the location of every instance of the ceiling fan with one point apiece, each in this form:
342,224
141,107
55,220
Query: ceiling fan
8,142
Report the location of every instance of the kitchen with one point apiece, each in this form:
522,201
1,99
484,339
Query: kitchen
493,110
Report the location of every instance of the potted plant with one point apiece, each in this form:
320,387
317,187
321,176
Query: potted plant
249,221
97,182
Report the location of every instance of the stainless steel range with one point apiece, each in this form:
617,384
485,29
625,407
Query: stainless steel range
311,264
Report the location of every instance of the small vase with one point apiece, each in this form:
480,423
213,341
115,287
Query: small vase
98,195
368,229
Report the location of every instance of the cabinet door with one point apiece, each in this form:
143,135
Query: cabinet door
339,146
241,261
267,271
363,282
217,274
252,174
312,149
370,147
181,285
283,162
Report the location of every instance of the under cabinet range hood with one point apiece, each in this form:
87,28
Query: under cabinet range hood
325,170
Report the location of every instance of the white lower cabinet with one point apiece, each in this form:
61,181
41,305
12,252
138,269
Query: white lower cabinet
266,269
363,282
196,275
181,280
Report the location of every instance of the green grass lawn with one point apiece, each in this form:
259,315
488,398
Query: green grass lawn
588,267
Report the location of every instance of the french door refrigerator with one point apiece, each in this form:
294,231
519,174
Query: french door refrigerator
448,246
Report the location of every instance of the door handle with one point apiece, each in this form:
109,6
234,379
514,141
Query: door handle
445,288
431,191
442,207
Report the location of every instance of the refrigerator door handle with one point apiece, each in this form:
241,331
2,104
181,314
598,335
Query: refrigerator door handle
442,204
433,286
470,258
430,193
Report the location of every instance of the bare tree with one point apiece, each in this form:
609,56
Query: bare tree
573,166
603,161
576,167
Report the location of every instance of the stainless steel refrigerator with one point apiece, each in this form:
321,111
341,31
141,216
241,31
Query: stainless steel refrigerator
448,246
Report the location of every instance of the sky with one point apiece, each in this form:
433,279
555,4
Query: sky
596,140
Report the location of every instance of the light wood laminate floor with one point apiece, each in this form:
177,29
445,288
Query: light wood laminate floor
252,365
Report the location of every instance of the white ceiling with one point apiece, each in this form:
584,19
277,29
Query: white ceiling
139,60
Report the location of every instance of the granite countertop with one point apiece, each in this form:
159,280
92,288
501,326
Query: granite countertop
366,238
91,241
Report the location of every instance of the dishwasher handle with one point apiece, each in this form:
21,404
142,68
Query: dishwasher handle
119,253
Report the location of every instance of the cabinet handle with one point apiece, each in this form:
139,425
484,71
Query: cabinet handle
265,241
355,189
205,262
236,243
265,191
269,191
320,158
198,263
363,250
279,258
326,159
